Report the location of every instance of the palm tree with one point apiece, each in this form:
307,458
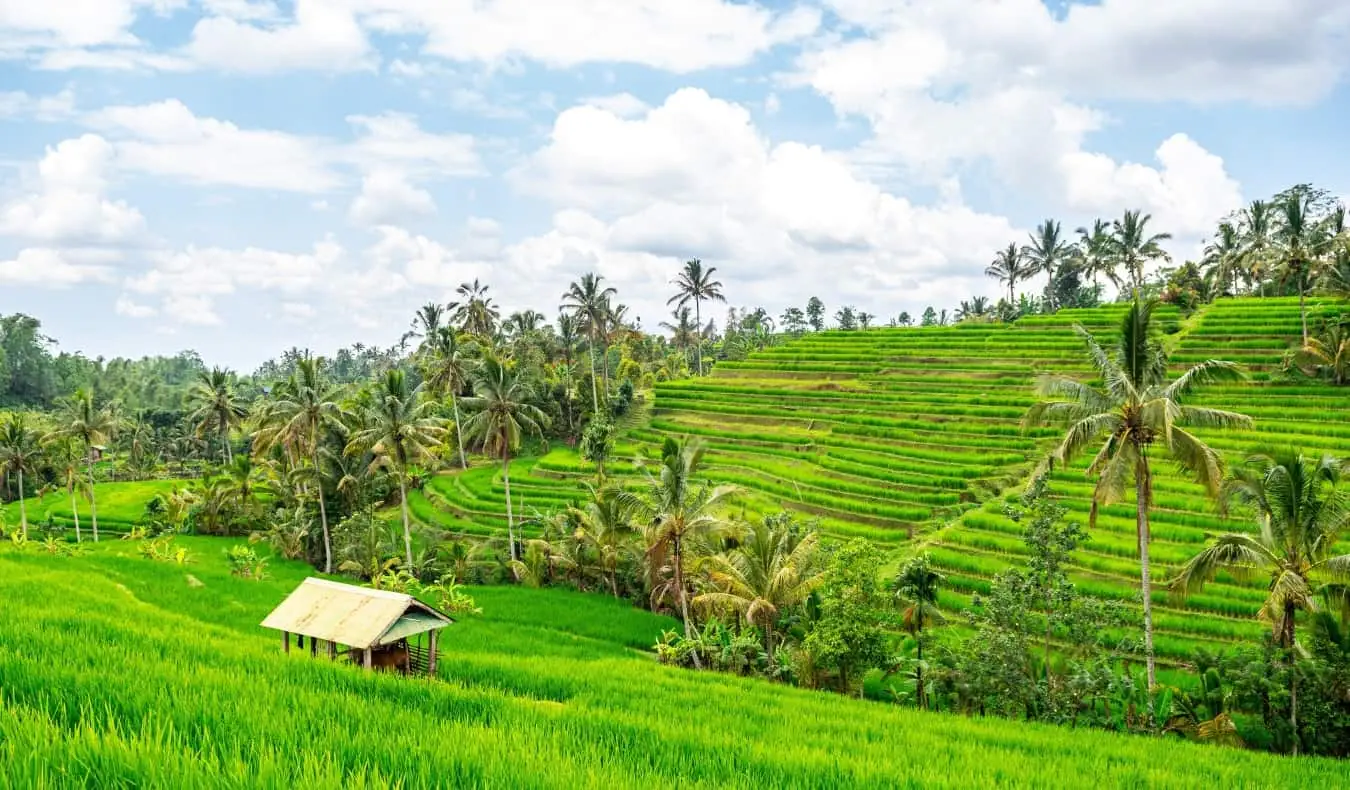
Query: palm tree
1047,253
80,420
589,302
1136,410
1009,266
445,370
676,509
683,330
774,568
696,284
1223,256
916,592
1301,512
1301,243
217,407
502,416
1327,356
19,452
1255,227
297,417
399,430
1094,253
67,460
605,524
1132,247
476,313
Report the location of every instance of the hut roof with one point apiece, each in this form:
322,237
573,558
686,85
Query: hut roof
355,616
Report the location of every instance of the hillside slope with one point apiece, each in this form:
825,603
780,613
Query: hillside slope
117,671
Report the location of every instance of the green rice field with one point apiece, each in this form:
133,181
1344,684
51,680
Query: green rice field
118,671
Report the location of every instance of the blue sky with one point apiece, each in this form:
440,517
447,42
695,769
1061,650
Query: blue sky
241,176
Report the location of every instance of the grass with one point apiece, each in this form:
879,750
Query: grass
119,673
120,505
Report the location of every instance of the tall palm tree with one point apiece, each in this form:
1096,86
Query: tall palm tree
297,417
1327,356
474,312
80,420
399,430
1094,253
66,457
1223,256
502,416
605,524
772,569
916,592
217,407
1301,513
1137,411
683,330
1009,267
676,509
1255,225
1132,247
1047,253
445,370
589,302
1302,242
19,453
696,284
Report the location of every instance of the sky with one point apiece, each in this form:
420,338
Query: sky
243,176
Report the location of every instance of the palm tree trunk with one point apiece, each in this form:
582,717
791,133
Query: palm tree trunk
407,529
698,334
23,508
1303,306
454,405
93,498
510,519
1287,638
684,597
595,392
225,443
75,511
1143,486
323,514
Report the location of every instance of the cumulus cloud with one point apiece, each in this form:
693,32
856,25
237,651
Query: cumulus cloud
41,267
246,37
386,196
69,205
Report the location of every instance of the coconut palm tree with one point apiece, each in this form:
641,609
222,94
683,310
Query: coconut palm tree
298,417
79,419
1094,253
1301,512
1223,257
1138,412
502,415
1047,253
474,312
1132,247
696,284
589,302
1328,355
915,588
604,523
1255,226
683,330
66,457
399,429
19,453
445,371
676,509
1303,243
773,568
1009,267
217,407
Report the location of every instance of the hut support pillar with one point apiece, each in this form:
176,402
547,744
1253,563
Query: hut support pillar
367,657
313,647
431,655
332,650
285,641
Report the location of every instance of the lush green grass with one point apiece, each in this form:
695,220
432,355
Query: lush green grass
120,505
119,673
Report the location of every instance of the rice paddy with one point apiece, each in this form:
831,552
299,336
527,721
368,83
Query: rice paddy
119,671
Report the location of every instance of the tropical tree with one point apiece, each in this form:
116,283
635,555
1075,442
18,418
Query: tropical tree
1094,253
589,302
1047,253
398,429
80,420
474,312
297,418
604,523
66,459
1009,267
675,509
445,371
915,587
1301,512
1302,242
19,453
1223,257
216,407
1132,247
1255,226
1326,355
684,329
1137,412
774,567
696,284
502,415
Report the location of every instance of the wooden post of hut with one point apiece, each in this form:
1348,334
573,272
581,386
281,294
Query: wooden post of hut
377,626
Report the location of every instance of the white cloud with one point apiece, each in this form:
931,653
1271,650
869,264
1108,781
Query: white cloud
386,196
624,105
680,37
115,59
19,104
395,139
68,205
323,36
40,267
298,312
125,306
77,23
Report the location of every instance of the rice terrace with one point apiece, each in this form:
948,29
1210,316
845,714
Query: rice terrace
688,399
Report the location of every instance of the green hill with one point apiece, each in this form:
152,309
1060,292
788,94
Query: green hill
120,671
